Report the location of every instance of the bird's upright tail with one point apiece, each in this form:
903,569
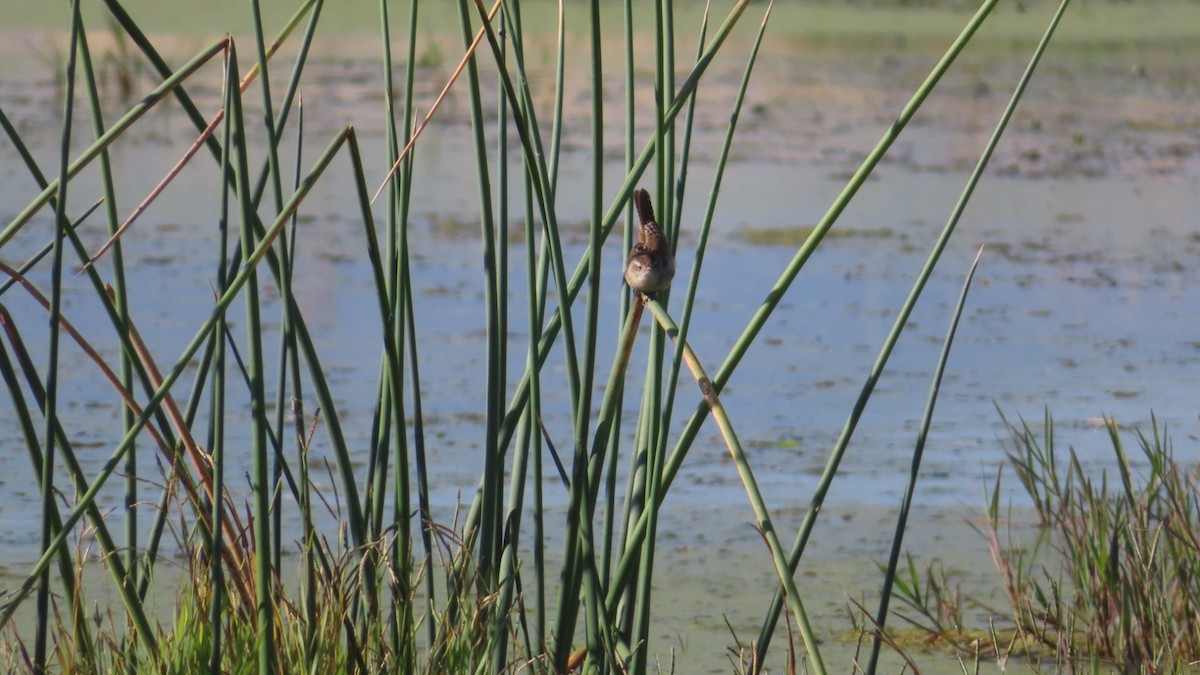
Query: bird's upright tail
641,201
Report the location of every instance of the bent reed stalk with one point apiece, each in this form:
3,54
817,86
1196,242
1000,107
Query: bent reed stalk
382,586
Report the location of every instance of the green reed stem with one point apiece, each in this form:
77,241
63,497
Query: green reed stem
419,456
274,172
679,186
722,158
510,515
609,533
275,175
889,576
400,310
537,266
312,8
705,225
650,423
391,352
541,277
665,79
121,301
51,405
309,549
492,495
217,397
501,236
597,636
264,570
536,275
765,526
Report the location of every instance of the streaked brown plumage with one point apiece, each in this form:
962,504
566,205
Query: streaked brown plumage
651,265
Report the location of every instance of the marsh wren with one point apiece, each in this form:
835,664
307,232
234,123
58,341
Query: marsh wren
651,265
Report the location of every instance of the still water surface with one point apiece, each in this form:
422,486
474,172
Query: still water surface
1084,302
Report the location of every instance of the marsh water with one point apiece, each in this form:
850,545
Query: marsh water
1084,303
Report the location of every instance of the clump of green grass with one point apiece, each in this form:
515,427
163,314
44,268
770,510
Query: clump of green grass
1113,575
1127,587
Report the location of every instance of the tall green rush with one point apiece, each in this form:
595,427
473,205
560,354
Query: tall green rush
51,387
918,451
264,570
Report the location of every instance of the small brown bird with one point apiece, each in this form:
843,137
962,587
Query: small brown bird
651,265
